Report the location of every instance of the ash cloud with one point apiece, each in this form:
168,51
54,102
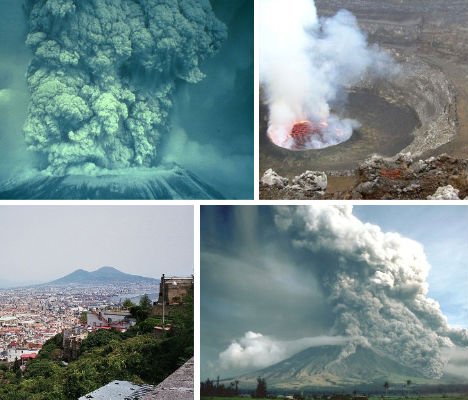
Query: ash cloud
255,350
306,62
103,75
376,284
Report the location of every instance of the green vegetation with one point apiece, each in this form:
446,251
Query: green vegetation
136,355
127,303
220,398
261,390
422,397
411,397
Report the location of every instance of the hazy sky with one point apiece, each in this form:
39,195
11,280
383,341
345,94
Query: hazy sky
444,235
41,243
282,277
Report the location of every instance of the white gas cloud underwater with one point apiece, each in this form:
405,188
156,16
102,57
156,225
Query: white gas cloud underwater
306,62
103,74
377,290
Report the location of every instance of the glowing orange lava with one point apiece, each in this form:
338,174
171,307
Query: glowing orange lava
302,131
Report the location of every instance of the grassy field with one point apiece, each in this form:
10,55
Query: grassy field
220,398
424,397
414,397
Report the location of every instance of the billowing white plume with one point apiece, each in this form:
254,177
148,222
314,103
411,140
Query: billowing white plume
305,62
255,350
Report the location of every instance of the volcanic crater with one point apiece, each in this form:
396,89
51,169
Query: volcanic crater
422,109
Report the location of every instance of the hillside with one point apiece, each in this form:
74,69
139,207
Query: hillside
137,355
321,367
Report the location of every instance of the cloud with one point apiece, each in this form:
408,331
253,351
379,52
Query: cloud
376,283
457,361
255,350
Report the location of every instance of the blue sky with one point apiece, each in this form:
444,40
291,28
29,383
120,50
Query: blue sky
443,232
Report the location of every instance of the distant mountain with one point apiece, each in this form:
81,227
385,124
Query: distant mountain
103,275
321,367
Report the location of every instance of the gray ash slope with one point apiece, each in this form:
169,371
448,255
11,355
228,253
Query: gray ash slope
103,275
322,367
160,183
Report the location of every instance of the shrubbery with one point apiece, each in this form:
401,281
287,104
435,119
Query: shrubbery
105,355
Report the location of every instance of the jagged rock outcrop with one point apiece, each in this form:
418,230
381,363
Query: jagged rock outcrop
271,178
401,177
445,193
308,185
311,181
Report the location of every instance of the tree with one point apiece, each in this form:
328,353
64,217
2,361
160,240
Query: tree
408,384
141,311
84,317
261,391
44,368
52,349
16,365
145,303
128,303
99,338
147,326
386,386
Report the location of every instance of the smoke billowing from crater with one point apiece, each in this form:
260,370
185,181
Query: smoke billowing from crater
305,63
103,75
376,286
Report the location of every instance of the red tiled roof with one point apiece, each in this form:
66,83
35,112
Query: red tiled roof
28,356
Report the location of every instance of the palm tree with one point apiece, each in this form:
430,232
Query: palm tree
386,386
237,387
408,384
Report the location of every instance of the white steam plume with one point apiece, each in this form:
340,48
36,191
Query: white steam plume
305,62
376,284
255,350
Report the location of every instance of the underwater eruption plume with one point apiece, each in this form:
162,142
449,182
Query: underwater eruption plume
102,77
102,82
306,62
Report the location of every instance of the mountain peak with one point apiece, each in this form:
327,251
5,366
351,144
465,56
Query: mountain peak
103,275
107,268
325,366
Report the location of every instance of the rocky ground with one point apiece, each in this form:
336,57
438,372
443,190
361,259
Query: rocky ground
429,40
400,177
